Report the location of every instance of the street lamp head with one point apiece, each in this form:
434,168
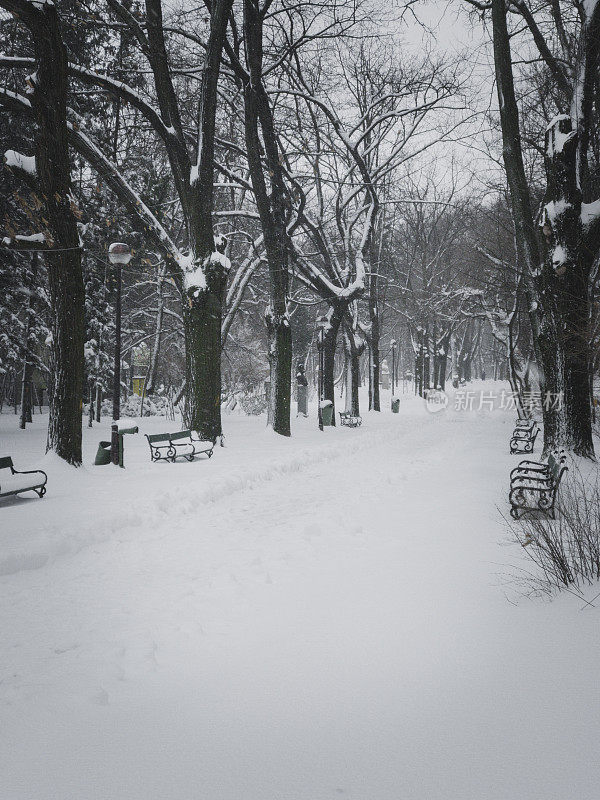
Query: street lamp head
119,253
321,325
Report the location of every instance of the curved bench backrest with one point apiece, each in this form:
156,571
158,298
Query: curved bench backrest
157,437
180,435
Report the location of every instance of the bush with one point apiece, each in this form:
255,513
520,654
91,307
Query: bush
155,405
566,551
253,404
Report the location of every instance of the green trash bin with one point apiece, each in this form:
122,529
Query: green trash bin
327,412
103,454
395,405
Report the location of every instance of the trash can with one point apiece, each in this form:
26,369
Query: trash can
395,405
327,412
103,454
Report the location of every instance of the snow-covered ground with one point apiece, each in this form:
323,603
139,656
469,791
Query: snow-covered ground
307,619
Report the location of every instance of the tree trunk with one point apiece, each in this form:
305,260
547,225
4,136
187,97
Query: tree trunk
353,353
374,337
204,311
455,360
272,207
441,355
65,276
566,283
202,325
544,325
426,360
98,402
27,375
334,317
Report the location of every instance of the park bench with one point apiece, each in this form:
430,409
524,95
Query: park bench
183,444
13,481
534,485
524,436
349,419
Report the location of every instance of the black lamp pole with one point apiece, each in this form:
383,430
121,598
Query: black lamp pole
118,254
320,338
117,364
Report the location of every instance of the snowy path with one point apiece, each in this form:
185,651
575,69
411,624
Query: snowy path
336,629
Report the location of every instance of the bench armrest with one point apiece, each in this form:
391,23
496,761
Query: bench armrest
196,438
30,472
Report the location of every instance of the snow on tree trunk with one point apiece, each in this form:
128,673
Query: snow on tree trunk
565,279
53,171
202,326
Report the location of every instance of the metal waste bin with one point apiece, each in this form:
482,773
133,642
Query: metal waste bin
102,454
395,405
327,413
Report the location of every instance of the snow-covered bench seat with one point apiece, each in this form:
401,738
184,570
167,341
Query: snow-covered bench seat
13,481
349,419
169,446
534,485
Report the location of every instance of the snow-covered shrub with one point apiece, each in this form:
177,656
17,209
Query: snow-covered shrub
155,405
253,404
565,552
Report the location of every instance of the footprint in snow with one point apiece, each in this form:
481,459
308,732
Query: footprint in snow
100,698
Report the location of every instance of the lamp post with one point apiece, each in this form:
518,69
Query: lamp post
320,342
118,254
393,343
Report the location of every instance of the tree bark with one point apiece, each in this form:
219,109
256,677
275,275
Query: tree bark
374,339
272,207
65,276
544,326
27,374
565,278
353,353
204,311
334,316
202,325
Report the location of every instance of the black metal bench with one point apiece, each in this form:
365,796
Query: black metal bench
349,419
14,481
183,444
524,436
534,485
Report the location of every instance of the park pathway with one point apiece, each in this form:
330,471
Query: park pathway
340,631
